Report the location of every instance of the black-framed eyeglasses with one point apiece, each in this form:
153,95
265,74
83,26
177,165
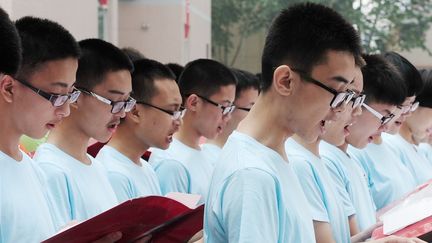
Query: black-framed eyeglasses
56,100
175,115
339,98
384,119
358,100
409,108
225,109
116,106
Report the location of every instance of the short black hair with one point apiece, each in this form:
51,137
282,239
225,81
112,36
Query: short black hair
301,35
382,82
132,53
425,96
97,59
43,40
176,68
410,74
146,72
204,77
10,47
245,80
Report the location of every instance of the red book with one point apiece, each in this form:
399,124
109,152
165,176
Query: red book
165,219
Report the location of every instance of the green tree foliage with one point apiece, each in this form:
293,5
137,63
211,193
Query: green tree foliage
383,24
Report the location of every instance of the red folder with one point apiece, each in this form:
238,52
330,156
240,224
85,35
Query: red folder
167,220
421,229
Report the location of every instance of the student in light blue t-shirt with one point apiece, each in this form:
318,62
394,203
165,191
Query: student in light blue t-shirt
152,123
388,177
327,210
208,91
32,100
254,194
247,90
355,127
331,207
79,182
412,131
349,182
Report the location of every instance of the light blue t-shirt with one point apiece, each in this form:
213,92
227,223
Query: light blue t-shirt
181,168
255,196
211,152
350,180
388,177
418,165
320,190
128,179
425,149
80,191
24,207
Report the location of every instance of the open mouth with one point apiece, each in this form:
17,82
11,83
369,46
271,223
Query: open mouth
50,126
112,127
169,138
219,129
322,126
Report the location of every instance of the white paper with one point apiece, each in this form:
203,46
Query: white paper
413,209
189,200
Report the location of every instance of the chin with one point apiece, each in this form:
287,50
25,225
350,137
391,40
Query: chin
37,134
102,138
362,145
163,146
211,136
339,143
310,138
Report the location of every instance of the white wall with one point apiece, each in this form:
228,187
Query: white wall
156,28
78,16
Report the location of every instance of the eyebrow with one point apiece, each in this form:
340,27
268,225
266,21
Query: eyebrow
388,112
341,79
112,91
175,106
61,84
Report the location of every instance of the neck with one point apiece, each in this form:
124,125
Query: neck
124,141
312,147
406,133
187,134
256,125
9,138
70,140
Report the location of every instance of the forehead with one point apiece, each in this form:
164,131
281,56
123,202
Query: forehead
226,91
120,81
336,66
167,89
62,72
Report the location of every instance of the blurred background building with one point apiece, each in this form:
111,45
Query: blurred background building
166,30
